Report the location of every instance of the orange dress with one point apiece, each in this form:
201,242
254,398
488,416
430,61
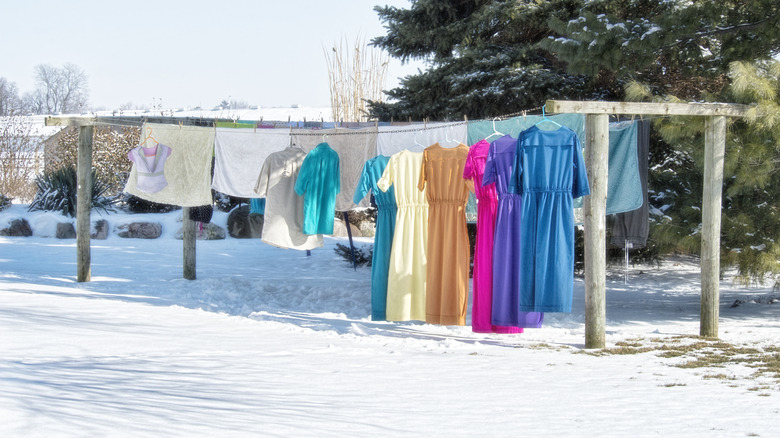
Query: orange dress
447,286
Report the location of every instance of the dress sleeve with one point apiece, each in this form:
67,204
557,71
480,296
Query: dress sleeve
363,185
580,185
302,183
515,180
263,181
423,177
468,168
388,175
489,177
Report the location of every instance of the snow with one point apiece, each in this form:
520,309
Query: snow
269,342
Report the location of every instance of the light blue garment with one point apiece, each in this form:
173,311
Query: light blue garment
319,181
383,237
514,126
624,187
256,205
549,171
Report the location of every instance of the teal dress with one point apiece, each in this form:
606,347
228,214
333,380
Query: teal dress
319,182
383,237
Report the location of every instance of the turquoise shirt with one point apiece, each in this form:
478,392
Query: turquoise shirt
319,181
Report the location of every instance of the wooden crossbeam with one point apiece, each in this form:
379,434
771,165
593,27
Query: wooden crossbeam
647,109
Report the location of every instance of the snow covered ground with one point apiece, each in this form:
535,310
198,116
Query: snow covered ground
269,342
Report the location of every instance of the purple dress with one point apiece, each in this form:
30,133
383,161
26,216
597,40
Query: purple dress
507,243
487,202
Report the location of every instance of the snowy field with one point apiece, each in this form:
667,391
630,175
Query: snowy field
269,342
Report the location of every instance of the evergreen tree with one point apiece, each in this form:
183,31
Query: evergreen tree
483,56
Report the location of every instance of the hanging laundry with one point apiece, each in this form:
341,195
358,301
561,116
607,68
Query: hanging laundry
514,126
319,181
383,237
187,169
150,166
634,226
508,241
257,206
549,171
354,147
238,156
447,252
416,138
283,225
487,204
407,272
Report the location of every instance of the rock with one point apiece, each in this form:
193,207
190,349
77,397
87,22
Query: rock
99,230
242,225
17,228
367,228
339,230
209,231
65,230
140,230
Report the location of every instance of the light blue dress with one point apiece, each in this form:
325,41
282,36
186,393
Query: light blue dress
549,172
383,237
319,181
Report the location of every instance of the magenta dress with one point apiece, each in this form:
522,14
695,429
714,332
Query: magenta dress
487,203
507,240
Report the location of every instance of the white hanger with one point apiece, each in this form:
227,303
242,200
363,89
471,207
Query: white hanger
495,131
447,137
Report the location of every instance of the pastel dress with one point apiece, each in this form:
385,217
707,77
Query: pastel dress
447,285
549,172
487,204
383,237
319,182
507,242
407,271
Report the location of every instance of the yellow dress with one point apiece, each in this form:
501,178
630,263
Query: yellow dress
447,287
406,275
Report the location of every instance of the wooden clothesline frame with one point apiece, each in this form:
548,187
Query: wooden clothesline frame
596,161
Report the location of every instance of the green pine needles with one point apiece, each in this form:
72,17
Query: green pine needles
57,191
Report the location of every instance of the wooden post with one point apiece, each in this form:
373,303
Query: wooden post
595,208
714,152
188,237
84,204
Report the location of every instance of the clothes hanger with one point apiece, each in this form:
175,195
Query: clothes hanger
547,119
417,143
495,131
149,136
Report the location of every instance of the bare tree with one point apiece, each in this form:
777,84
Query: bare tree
20,157
10,103
355,75
59,90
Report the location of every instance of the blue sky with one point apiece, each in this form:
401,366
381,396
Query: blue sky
189,53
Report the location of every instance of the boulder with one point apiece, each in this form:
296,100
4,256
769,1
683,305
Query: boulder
99,230
17,228
242,225
140,230
205,231
65,230
339,230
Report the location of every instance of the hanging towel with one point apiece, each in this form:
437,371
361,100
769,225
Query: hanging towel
187,170
417,137
513,127
634,226
353,146
238,156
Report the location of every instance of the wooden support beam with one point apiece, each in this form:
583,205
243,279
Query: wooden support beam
648,109
189,242
84,204
595,210
714,154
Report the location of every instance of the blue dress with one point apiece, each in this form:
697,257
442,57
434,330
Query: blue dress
549,172
319,181
508,239
383,238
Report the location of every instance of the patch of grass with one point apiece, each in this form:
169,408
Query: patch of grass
671,385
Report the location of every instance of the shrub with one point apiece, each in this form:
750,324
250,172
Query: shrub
139,205
5,202
57,191
363,254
